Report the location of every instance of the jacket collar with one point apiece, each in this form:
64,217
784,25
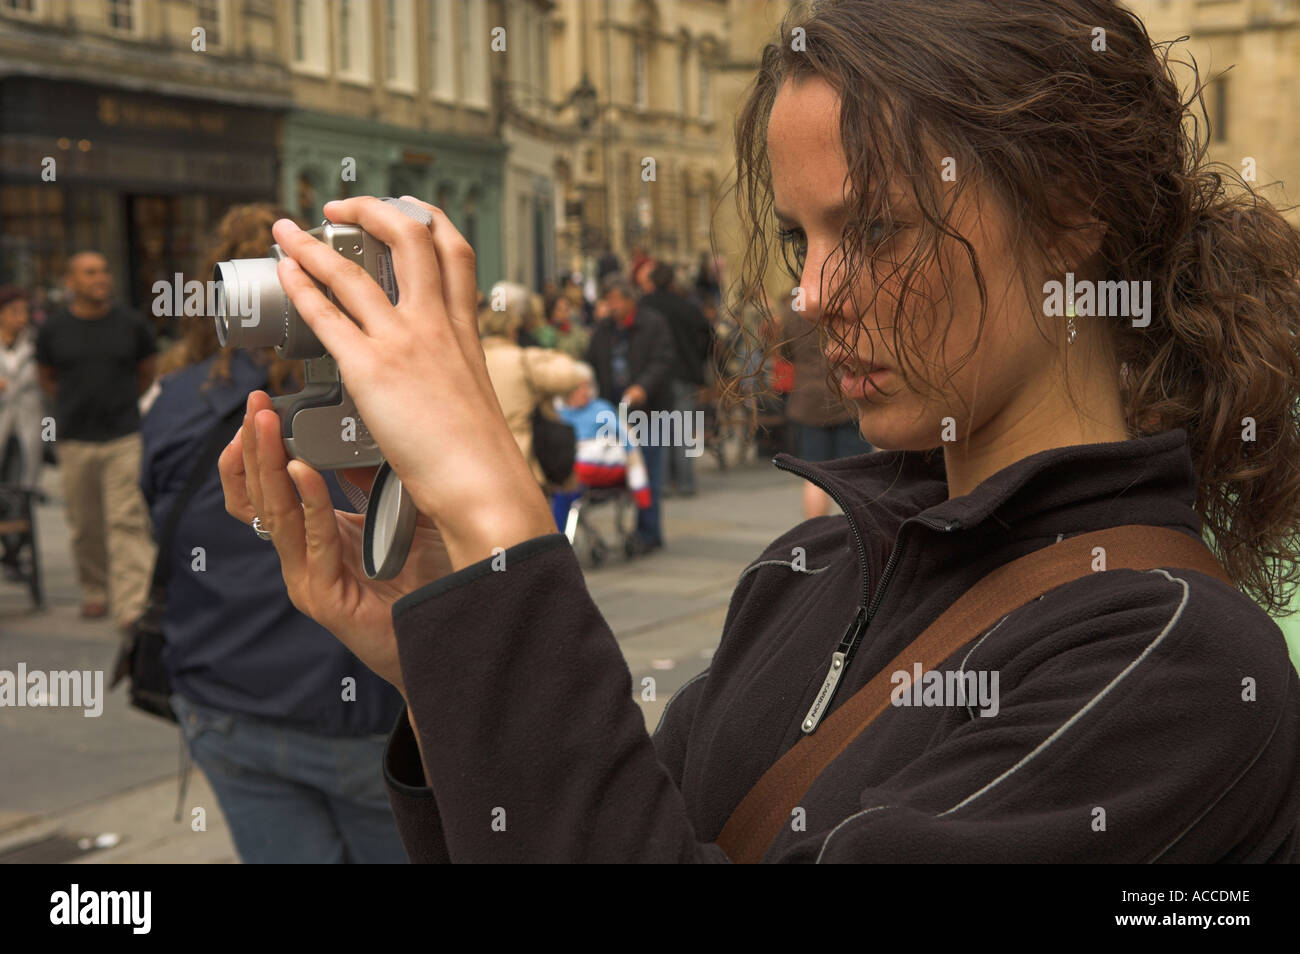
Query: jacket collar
1060,491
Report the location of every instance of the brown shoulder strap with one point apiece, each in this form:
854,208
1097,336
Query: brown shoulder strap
760,816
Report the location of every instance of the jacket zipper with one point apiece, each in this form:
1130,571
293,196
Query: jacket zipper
866,610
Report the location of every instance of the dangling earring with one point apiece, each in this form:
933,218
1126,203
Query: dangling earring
1073,331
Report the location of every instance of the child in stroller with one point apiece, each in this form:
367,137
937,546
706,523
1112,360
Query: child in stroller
607,468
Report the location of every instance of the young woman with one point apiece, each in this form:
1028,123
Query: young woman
934,166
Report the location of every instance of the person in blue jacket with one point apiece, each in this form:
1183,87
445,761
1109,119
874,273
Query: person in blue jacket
287,724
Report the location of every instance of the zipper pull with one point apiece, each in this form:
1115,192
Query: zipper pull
839,662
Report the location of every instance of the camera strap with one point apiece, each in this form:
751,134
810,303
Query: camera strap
762,814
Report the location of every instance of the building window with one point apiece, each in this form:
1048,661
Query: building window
516,65
1219,93
210,18
309,36
122,16
683,64
528,66
354,40
640,91
345,35
530,56
706,93
541,59
27,7
442,50
390,40
473,24
399,34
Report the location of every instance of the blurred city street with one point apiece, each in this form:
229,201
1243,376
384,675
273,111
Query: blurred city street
117,775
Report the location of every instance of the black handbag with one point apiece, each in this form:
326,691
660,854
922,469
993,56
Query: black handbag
141,656
555,445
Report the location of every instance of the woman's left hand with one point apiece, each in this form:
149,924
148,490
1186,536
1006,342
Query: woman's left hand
320,547
417,373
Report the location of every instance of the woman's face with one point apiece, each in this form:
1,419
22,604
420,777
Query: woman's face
1009,374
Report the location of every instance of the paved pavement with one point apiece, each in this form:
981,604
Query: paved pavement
105,789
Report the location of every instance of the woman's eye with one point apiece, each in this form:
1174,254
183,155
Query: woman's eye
878,231
794,238
794,242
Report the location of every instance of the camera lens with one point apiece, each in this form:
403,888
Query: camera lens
223,324
252,308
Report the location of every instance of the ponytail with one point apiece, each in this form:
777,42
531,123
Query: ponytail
1224,365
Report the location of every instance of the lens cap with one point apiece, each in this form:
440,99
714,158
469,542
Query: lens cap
389,527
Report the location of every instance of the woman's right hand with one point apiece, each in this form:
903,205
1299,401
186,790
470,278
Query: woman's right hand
320,547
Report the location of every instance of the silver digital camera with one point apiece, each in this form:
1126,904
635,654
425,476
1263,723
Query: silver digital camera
320,424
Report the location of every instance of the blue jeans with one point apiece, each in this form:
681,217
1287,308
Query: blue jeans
648,526
294,797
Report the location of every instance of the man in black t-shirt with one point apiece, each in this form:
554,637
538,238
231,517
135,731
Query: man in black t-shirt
96,358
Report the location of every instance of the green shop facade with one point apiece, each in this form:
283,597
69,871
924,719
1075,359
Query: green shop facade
327,157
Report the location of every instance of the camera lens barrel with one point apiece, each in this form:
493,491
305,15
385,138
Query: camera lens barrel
252,308
254,312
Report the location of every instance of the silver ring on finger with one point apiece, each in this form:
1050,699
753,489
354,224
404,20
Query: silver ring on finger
260,530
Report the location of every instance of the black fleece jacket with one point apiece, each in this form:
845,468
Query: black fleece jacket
1141,716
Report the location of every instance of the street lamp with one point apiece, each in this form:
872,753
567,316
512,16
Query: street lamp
583,100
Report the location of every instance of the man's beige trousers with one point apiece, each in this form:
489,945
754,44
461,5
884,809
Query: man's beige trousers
112,541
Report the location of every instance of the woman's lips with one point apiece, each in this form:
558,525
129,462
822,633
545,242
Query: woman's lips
863,382
859,380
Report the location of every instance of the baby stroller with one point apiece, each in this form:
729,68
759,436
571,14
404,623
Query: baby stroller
580,526
612,487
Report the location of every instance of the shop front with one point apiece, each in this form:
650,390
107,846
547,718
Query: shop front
142,178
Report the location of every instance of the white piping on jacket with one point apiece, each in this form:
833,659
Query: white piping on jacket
1182,604
673,698
865,811
789,563
1178,612
961,670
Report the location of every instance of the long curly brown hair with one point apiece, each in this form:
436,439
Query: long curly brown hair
1017,94
243,232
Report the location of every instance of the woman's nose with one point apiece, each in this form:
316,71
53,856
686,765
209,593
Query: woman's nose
806,297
